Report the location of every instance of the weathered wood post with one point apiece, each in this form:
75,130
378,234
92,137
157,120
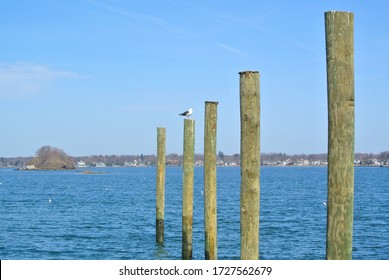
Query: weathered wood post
210,209
187,192
339,29
250,162
160,204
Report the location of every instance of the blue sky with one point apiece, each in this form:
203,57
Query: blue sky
99,76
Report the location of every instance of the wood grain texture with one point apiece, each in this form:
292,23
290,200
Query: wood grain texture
250,162
160,181
210,203
339,27
187,188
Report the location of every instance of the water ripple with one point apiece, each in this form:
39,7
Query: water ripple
62,215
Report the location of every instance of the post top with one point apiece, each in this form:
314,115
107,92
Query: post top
248,72
212,102
339,12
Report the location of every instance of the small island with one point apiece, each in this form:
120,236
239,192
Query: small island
50,158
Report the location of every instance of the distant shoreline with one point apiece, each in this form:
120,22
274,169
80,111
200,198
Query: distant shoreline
267,159
85,170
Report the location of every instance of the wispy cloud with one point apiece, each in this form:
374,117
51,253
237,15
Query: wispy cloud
232,49
109,8
303,46
152,107
159,22
211,16
23,79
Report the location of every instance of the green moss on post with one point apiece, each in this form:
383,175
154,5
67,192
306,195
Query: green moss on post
187,192
160,193
339,27
250,162
210,209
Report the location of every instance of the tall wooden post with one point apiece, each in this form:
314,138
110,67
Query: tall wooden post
187,192
160,204
210,210
339,28
250,162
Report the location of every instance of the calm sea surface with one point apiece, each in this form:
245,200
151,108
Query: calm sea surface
71,215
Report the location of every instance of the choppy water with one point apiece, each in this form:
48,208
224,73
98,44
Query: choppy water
70,215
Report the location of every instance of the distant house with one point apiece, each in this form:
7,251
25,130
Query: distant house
100,164
81,164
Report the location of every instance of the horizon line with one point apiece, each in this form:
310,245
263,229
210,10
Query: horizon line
173,153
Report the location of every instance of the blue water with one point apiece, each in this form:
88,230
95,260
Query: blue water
70,215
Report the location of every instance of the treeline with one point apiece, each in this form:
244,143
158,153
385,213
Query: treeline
115,160
362,158
280,157
132,160
176,160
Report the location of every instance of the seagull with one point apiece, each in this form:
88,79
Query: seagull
187,113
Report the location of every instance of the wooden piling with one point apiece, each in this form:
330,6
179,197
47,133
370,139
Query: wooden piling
210,209
187,192
160,199
250,162
339,29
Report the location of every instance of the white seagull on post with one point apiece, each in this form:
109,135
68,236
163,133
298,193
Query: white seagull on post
187,113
